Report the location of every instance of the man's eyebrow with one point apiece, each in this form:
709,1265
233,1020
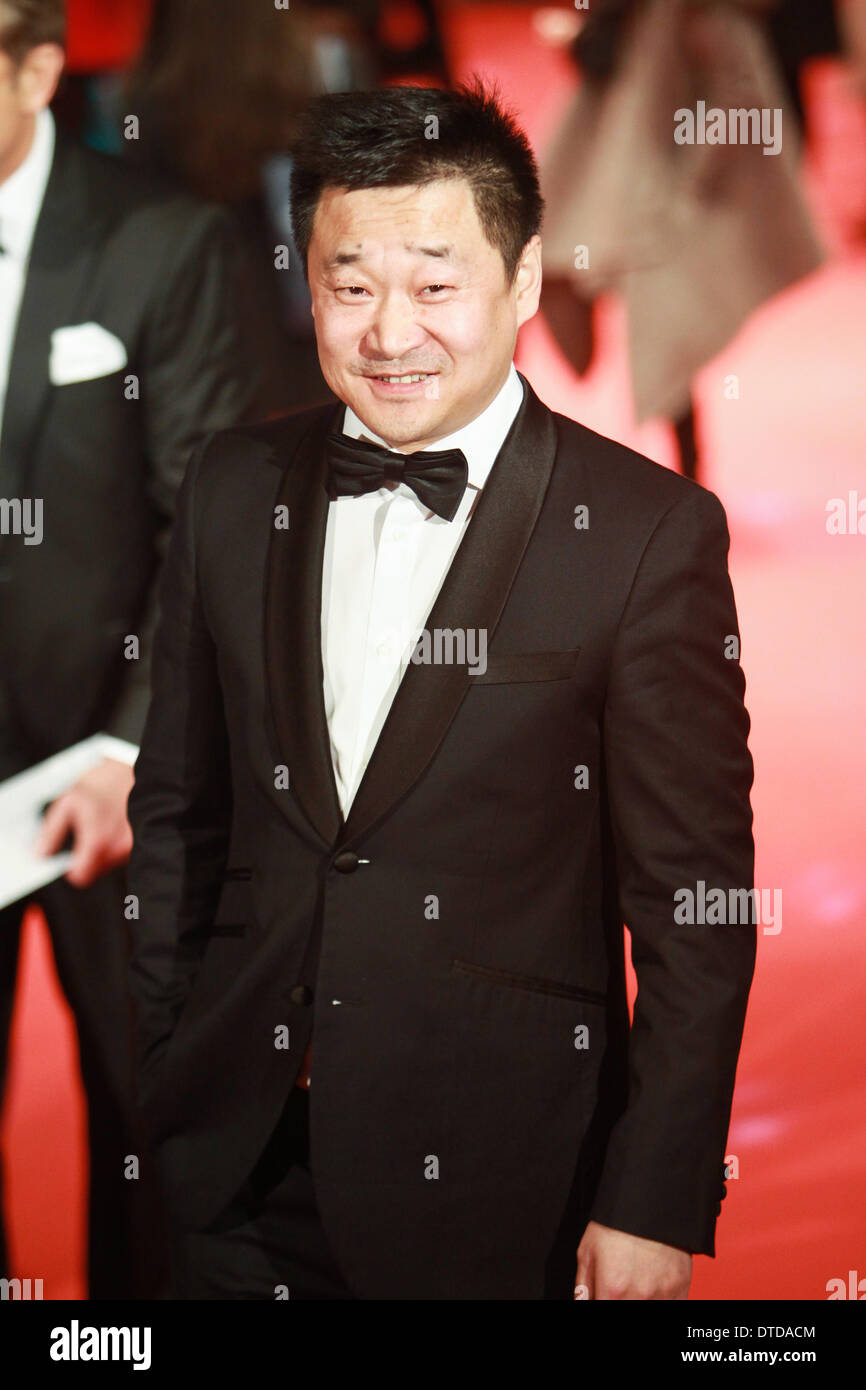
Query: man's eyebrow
343,258
440,252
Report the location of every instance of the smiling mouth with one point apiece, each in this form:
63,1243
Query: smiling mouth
406,379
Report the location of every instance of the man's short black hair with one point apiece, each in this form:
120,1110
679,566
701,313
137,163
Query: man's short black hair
408,136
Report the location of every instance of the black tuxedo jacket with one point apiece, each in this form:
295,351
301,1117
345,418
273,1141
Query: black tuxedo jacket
106,455
455,949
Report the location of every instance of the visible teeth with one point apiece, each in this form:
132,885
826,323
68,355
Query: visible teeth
419,376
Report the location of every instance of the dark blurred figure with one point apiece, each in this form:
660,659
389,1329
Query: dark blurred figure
695,236
407,41
403,39
119,349
800,30
218,89
102,38
357,45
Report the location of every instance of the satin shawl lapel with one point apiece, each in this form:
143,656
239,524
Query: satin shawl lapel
293,642
473,595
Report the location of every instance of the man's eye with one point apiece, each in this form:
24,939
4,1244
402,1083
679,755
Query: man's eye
351,289
436,288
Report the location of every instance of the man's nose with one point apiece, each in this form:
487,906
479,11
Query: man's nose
394,331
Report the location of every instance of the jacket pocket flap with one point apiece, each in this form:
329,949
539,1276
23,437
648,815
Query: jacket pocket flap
527,666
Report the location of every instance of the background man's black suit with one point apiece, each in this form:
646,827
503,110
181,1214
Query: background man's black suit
156,270
449,1036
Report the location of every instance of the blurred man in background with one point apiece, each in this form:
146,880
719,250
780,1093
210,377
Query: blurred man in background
119,349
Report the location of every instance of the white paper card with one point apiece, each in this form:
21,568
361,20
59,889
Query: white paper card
21,800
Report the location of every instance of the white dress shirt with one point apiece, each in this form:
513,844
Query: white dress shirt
20,204
386,557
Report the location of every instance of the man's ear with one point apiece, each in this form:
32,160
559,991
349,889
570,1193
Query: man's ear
37,77
527,281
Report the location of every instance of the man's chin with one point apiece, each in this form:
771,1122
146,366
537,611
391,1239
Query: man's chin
400,420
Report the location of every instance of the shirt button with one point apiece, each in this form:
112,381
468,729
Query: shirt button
398,533
301,994
346,862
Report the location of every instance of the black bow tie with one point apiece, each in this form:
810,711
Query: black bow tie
437,477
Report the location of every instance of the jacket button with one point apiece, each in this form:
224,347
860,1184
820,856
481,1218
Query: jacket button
346,861
301,994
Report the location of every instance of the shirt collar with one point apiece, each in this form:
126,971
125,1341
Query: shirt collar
22,193
480,440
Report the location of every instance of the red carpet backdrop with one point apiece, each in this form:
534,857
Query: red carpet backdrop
795,439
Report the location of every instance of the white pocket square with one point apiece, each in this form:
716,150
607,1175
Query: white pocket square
84,351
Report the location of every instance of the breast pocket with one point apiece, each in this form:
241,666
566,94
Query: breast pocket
504,668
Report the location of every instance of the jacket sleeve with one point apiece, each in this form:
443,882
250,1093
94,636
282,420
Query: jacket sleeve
180,807
199,372
679,775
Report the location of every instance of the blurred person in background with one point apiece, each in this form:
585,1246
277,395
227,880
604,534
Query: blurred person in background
102,37
407,40
694,237
119,350
218,88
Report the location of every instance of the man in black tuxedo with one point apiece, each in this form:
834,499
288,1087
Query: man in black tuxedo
442,696
117,351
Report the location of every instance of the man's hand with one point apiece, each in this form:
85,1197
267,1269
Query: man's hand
94,810
613,1264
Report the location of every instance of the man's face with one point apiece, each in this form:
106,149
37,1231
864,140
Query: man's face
405,283
24,90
